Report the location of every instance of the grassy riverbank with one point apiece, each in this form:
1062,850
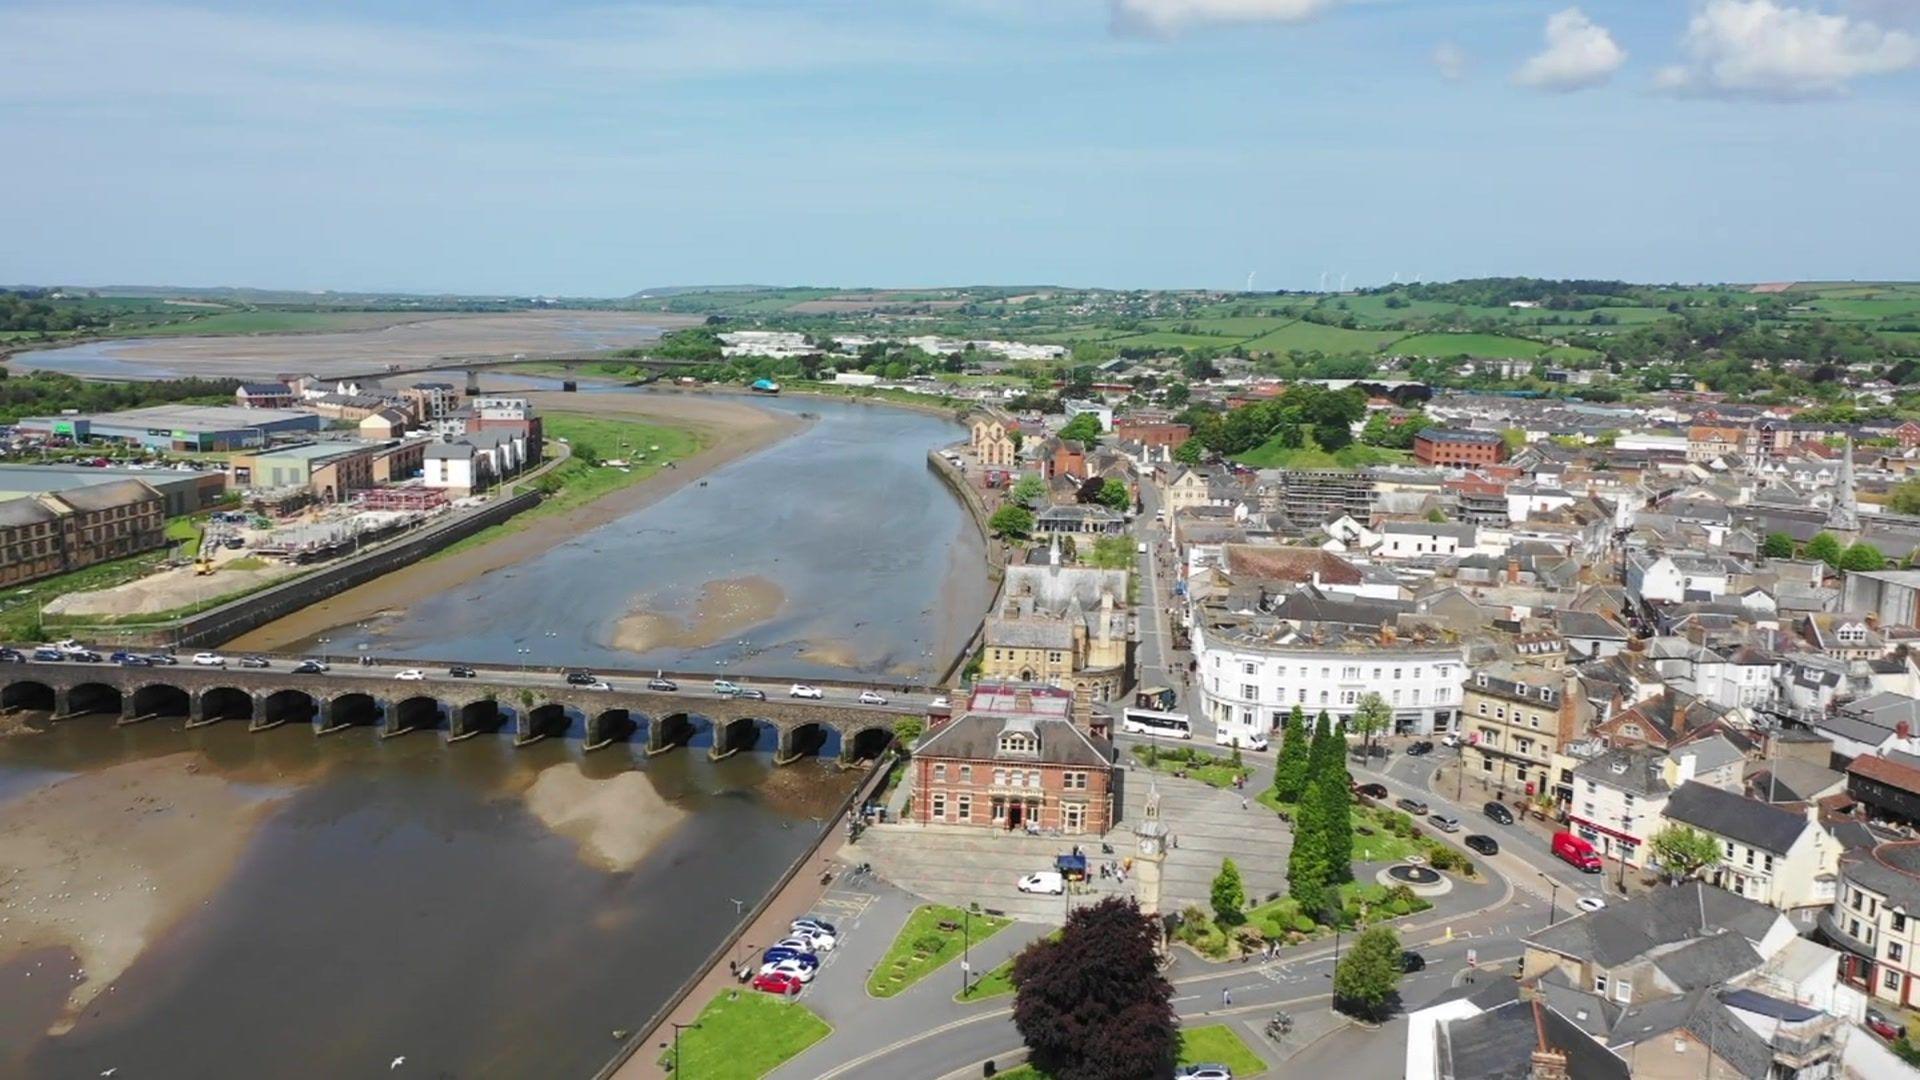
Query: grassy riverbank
584,476
743,1035
20,611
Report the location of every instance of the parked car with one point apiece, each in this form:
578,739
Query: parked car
462,671
1413,806
1485,845
663,685
255,662
1878,1023
1420,746
1452,739
810,924
802,690
791,967
1589,903
1211,1070
44,655
808,941
311,667
209,659
774,956
748,693
581,678
1446,823
776,982
1372,791
1571,849
1498,811
1411,961
1046,881
412,674
869,697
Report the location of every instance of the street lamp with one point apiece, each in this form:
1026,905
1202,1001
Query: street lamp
677,1029
966,947
1553,895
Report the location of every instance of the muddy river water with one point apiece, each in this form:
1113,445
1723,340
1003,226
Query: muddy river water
211,902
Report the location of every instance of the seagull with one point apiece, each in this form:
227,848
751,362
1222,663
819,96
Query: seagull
738,905
397,1062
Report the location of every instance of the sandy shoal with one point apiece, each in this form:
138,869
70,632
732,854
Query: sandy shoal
729,429
615,821
105,862
724,608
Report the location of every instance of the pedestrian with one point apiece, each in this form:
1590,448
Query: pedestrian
1243,802
1226,996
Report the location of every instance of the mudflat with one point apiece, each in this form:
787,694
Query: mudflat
729,429
723,609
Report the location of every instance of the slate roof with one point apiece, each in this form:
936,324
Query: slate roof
1498,1045
1292,564
1635,768
1891,869
95,497
1622,932
1460,532
1586,624
975,738
1891,773
1708,961
24,511
1700,1014
1736,817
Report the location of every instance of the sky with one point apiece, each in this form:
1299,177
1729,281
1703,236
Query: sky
555,148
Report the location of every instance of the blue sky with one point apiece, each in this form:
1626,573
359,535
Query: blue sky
595,149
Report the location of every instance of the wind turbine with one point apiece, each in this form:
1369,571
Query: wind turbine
1323,281
1343,281
1250,274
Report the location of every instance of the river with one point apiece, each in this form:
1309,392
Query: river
212,902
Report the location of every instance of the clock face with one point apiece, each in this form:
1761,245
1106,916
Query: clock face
1148,845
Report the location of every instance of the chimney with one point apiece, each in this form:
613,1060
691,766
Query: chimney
1513,569
1546,1062
1683,770
1873,620
1387,635
1023,699
1901,731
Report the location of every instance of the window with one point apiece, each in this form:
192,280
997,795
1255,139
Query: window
1396,673
1396,696
1250,692
1600,984
1349,697
963,806
940,770
1075,781
1416,696
1323,697
1017,742
1899,923
1349,672
940,805
1891,981
1623,991
999,778
1895,952
1248,669
1033,779
966,774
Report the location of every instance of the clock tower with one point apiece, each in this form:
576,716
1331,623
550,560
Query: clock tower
1148,861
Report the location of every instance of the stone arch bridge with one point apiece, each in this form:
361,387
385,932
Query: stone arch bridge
459,708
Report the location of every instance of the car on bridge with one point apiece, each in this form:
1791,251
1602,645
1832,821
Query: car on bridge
44,655
748,693
311,667
662,684
581,678
135,660
166,659
209,659
11,655
462,671
412,674
871,697
255,662
802,690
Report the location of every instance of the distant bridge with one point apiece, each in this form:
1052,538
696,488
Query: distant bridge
486,361
529,704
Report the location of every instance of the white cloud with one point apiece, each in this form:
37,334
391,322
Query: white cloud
1165,17
1757,48
1450,60
1580,53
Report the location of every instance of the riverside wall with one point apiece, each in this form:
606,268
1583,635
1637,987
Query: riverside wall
230,620
976,506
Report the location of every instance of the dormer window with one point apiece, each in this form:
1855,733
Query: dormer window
1018,742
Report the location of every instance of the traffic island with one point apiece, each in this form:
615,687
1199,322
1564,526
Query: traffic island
934,934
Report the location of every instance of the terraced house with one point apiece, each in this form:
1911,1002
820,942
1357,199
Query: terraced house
66,530
1516,716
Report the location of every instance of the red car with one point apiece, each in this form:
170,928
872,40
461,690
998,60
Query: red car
1881,1026
777,982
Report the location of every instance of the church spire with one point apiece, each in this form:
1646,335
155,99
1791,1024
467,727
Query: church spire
1844,514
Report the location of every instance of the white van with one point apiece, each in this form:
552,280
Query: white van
1248,740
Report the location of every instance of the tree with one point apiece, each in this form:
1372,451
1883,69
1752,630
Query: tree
1229,896
1368,976
1290,767
1862,557
1191,452
1307,861
1114,495
1825,548
1777,546
1683,851
1178,395
1374,716
1083,428
907,731
1905,498
1027,490
1012,522
1090,490
1092,1004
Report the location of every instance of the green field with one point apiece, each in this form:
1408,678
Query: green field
1272,455
1313,337
270,322
1477,345
581,478
743,1035
923,947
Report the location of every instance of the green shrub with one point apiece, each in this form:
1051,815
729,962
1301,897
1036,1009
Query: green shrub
1303,924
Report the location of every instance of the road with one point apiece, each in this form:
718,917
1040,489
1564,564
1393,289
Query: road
1157,661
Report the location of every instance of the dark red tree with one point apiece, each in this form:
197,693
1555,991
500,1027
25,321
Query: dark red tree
1092,1005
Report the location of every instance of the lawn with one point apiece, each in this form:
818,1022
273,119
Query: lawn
582,478
1488,345
1211,769
1381,846
1212,1043
1276,917
745,1034
922,946
1272,455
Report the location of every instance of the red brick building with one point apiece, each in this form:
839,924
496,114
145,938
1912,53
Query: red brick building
1455,448
1013,758
1151,432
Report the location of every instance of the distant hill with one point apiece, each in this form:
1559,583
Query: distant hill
682,290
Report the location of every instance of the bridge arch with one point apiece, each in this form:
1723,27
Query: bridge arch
161,700
29,694
353,709
225,703
95,698
868,743
288,707
482,716
422,712
549,718
809,739
674,729
741,733
607,726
